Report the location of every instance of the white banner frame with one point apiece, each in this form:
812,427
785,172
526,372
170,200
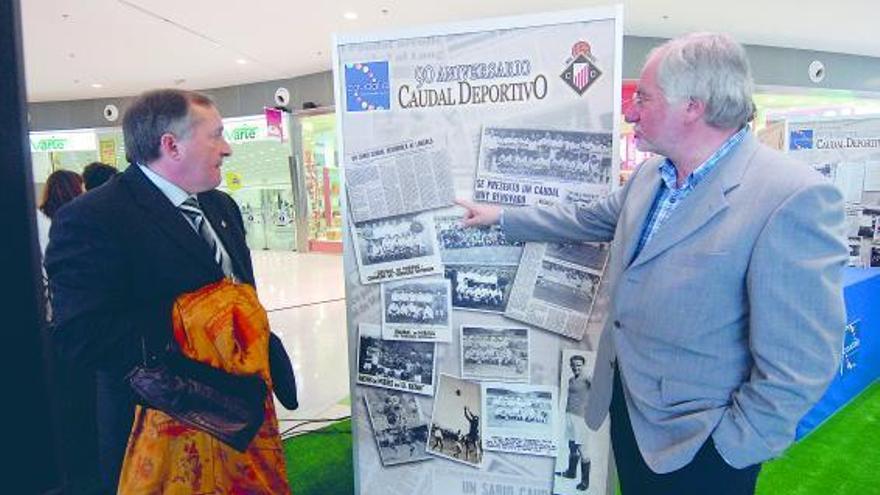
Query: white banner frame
364,301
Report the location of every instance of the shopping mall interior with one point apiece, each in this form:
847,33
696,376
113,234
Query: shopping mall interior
72,68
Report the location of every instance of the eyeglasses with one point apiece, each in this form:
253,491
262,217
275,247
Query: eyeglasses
638,98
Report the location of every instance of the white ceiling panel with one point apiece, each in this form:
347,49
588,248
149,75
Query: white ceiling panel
131,45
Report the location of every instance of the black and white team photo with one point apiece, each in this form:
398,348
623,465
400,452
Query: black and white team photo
480,287
495,353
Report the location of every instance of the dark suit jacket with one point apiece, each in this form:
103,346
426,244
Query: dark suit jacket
117,259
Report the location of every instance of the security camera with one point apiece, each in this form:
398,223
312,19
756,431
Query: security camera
282,97
111,113
816,71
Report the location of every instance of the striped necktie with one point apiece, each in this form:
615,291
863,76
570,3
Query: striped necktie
193,212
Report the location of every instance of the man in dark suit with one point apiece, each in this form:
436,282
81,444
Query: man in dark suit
119,257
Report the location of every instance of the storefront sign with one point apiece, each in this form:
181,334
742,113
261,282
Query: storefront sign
63,141
245,130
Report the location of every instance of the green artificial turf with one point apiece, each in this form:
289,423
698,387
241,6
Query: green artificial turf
319,462
841,457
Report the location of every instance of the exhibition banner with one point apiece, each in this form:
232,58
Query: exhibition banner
472,354
846,150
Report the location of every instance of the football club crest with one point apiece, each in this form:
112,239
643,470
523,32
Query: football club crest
581,69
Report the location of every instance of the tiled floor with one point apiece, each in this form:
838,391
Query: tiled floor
305,297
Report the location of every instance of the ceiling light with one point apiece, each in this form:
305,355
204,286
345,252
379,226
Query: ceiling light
350,15
241,61
97,85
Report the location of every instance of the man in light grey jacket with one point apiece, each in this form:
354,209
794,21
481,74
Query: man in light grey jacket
726,308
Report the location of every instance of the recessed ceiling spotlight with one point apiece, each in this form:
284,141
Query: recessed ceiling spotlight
384,11
97,85
241,61
350,15
665,17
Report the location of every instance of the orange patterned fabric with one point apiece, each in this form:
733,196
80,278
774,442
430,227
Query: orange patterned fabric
223,325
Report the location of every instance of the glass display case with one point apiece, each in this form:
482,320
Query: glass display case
317,134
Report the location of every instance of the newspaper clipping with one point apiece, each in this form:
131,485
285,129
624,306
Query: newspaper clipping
404,177
395,364
482,245
480,287
455,431
582,456
556,286
498,354
394,248
520,418
417,309
542,166
399,428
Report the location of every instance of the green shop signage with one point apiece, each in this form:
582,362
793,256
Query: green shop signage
63,141
49,144
245,132
245,129
242,133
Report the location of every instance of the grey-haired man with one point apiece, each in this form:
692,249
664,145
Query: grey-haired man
726,307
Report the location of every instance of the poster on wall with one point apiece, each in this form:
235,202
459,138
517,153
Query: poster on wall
455,334
846,150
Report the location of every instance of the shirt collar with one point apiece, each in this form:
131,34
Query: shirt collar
171,190
667,168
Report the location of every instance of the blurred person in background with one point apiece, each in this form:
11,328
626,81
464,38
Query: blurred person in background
97,173
61,187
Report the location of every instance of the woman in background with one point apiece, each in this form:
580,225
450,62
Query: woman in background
61,187
74,388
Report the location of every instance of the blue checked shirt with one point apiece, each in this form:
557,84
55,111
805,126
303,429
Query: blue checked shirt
669,196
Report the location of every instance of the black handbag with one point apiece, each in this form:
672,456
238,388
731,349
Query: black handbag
281,370
228,407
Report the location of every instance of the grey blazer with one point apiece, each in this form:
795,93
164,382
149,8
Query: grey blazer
730,321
